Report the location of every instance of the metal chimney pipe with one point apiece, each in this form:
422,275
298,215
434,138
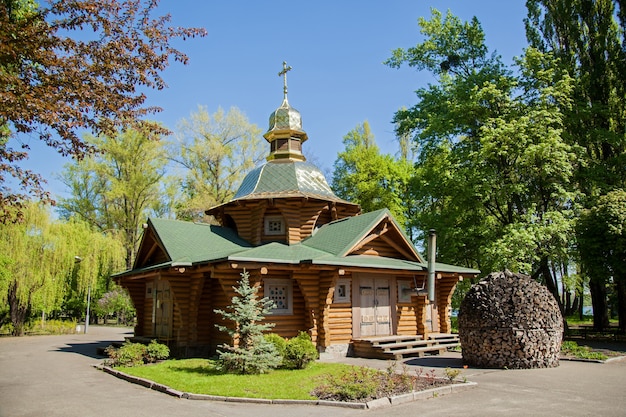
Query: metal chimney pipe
432,249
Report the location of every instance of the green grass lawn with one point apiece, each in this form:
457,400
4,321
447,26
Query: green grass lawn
200,376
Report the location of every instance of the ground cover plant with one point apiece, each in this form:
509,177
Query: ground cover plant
333,381
571,349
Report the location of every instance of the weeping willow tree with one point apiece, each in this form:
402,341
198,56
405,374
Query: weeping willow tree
40,257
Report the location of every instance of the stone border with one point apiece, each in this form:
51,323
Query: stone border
378,403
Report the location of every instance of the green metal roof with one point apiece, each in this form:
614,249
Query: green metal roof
189,243
340,236
285,178
196,242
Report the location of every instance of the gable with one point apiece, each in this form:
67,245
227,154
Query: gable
375,233
385,239
180,242
151,250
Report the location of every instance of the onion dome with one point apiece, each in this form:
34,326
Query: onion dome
285,133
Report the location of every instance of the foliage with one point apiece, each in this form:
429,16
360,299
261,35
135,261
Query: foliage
129,354
215,151
134,354
118,302
43,260
493,176
452,374
571,348
357,384
116,189
71,66
252,353
49,327
366,177
299,352
602,243
279,342
364,384
588,39
156,351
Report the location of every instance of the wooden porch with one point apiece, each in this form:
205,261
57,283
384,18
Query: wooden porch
398,347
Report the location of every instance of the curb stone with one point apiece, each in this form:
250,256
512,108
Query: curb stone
377,403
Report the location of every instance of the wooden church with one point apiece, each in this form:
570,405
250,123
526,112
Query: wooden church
352,280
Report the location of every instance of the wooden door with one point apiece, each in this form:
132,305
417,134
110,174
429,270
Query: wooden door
375,308
162,309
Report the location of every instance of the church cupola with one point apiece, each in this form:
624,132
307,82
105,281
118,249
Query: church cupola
285,133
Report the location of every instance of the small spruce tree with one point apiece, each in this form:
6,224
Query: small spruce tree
253,354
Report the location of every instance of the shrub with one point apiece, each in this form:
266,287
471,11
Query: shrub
280,344
129,354
299,352
133,354
156,351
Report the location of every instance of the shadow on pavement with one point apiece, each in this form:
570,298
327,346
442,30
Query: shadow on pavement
436,362
92,350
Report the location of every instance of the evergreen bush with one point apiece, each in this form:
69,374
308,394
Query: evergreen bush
253,354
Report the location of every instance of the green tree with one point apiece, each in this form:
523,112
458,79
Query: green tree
602,245
215,152
365,176
251,352
493,173
588,37
67,67
116,189
39,256
115,302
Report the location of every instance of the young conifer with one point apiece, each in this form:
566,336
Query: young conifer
250,352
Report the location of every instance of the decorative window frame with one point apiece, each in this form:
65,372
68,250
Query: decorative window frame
272,221
342,291
285,285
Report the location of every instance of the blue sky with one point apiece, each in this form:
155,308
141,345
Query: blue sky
336,49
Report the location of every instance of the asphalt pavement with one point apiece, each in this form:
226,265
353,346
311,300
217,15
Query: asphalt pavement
53,376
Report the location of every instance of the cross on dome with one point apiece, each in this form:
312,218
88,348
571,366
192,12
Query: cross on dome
283,73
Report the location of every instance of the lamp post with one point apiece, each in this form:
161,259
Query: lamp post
78,260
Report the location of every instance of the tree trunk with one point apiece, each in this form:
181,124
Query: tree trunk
19,312
598,301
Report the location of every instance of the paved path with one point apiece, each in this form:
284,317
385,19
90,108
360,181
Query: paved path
52,376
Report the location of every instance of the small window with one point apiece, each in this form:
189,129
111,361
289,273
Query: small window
342,291
274,225
280,291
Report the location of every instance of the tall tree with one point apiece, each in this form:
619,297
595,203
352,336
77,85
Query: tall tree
365,176
493,173
116,189
39,256
215,151
589,39
602,244
69,66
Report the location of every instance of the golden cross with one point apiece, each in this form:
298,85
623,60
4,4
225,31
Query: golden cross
283,73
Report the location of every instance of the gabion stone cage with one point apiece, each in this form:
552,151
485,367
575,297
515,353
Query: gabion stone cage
508,320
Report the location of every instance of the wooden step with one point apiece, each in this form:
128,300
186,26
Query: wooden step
397,347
